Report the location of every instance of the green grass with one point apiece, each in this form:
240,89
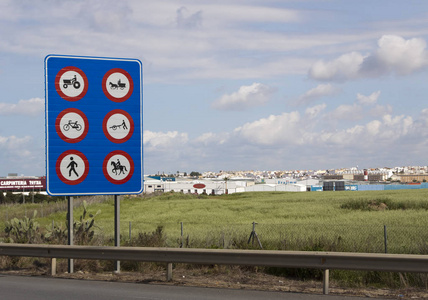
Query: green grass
333,221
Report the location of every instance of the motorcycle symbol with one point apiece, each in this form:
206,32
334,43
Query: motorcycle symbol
73,125
73,81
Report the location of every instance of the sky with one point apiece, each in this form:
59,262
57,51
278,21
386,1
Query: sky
234,85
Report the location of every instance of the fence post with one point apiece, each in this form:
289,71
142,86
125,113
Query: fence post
385,238
181,236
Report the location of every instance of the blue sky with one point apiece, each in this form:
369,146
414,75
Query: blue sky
234,85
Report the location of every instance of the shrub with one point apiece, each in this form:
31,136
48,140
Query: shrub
22,231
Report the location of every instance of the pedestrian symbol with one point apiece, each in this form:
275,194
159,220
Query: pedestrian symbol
72,167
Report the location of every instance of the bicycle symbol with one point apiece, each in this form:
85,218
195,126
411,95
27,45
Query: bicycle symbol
114,127
119,84
73,125
73,82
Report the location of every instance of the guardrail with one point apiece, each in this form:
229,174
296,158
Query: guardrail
287,259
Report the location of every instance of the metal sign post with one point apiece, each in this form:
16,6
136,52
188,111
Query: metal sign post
117,229
70,222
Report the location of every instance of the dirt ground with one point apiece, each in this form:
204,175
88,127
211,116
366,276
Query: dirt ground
233,279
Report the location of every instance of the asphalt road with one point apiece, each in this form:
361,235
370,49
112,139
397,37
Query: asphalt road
45,288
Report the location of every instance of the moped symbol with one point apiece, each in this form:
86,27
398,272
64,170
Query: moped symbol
73,125
73,81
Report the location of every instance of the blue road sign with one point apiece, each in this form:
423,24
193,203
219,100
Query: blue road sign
94,125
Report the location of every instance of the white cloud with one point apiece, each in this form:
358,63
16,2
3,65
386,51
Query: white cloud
13,144
322,90
286,139
210,138
186,21
381,110
31,107
314,111
345,67
393,55
247,96
352,112
21,155
275,129
164,141
366,100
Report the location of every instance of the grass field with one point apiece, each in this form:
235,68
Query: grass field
331,221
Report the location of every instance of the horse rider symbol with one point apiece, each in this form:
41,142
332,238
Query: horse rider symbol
118,168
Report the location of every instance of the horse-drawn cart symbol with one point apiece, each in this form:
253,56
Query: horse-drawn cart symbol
73,125
73,81
118,85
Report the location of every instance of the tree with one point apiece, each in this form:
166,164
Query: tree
195,174
2,199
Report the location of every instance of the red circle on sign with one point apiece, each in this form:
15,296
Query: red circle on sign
106,128
106,165
58,82
199,186
104,85
58,167
58,125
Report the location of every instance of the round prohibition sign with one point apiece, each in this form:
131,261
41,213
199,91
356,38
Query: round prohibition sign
118,126
72,167
72,125
71,83
118,167
117,85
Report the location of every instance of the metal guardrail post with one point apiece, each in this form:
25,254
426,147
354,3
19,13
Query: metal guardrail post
326,281
169,272
53,266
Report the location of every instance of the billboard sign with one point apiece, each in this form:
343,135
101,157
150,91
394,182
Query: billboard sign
8,184
94,131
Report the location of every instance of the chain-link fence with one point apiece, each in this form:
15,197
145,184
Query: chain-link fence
299,237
